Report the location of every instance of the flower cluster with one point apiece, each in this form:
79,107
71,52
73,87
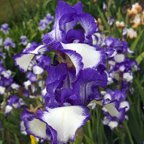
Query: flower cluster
135,20
9,89
35,83
7,42
129,27
75,67
45,22
11,92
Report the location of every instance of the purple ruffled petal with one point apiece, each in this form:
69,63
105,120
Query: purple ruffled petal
86,85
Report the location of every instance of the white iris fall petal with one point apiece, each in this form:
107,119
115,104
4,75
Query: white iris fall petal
24,59
90,56
65,121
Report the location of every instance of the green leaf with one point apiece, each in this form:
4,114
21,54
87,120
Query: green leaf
119,15
88,140
140,58
135,43
103,18
16,139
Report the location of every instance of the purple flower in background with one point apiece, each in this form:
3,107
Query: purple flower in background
1,68
115,107
111,21
24,40
31,76
13,102
4,28
8,43
43,24
49,18
2,90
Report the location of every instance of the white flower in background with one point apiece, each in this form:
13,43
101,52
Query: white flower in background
37,70
131,33
15,86
120,24
119,58
2,90
8,109
128,76
27,84
1,41
6,74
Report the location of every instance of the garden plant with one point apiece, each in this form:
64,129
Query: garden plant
72,72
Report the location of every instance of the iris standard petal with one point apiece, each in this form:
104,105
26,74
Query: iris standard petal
62,9
88,23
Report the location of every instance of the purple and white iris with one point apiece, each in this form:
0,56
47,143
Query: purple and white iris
77,74
4,28
8,43
13,102
44,23
24,40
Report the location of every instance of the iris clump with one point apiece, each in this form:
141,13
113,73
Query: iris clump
75,77
75,68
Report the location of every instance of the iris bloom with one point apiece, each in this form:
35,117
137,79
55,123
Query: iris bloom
5,28
75,76
8,43
23,40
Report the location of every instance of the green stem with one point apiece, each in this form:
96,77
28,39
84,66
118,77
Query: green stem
128,132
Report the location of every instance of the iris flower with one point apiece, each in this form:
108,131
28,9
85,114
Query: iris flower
75,75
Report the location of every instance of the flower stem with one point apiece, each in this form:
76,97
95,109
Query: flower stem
128,132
